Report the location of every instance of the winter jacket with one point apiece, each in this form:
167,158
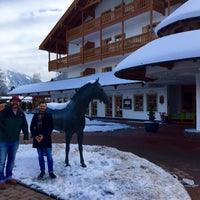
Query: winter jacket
12,124
45,130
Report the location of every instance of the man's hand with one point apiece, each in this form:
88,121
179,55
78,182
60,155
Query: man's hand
39,138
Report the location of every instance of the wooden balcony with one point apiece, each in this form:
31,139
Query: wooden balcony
107,19
117,48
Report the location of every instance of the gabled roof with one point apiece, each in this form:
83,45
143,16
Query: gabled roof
105,79
71,18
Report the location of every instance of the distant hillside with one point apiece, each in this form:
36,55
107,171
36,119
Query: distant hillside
11,79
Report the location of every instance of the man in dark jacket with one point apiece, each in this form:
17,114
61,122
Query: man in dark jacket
12,121
41,128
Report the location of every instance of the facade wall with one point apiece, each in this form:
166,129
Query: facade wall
132,27
126,92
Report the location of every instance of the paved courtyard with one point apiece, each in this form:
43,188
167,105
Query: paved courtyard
168,148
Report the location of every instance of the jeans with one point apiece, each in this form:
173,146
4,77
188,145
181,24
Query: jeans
48,153
8,152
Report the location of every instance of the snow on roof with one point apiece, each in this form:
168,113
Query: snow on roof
178,46
105,79
190,9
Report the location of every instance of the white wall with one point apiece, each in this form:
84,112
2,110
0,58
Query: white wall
101,109
127,91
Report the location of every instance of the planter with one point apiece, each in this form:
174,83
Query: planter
150,126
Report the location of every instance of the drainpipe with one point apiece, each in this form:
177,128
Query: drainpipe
151,18
49,57
82,31
197,102
123,36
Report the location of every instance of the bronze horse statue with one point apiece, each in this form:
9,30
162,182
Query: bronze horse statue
71,118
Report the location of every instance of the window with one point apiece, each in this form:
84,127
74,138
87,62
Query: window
147,29
118,37
47,99
94,108
107,41
152,102
138,102
107,69
118,106
59,100
108,107
65,99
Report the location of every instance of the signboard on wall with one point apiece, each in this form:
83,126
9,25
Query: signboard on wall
127,104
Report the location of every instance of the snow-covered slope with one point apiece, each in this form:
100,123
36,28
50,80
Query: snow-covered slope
10,79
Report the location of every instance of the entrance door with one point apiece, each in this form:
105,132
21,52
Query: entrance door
188,98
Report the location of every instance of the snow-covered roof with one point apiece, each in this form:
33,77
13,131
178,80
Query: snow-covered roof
190,9
174,47
105,79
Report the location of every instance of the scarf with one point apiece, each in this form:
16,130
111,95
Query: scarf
40,117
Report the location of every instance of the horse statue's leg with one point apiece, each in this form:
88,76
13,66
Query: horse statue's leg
80,146
68,137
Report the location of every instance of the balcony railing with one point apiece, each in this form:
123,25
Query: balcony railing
129,10
117,48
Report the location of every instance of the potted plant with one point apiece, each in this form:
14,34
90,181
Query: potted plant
151,125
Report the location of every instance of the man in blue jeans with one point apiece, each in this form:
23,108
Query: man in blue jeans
12,121
41,128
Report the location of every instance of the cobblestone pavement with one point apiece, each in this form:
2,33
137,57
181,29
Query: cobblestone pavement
19,192
168,148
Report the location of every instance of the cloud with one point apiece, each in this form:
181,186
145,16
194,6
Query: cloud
23,27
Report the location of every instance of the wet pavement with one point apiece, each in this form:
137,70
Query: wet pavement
168,148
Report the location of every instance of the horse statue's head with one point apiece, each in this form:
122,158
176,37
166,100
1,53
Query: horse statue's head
99,93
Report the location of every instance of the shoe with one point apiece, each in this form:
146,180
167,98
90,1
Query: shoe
11,181
41,175
52,175
2,186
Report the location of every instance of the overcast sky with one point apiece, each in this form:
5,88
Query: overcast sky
24,25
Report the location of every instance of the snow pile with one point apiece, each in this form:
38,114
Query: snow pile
110,174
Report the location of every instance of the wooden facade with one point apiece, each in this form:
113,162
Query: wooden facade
65,32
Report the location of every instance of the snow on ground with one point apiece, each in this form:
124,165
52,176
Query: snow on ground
110,174
94,125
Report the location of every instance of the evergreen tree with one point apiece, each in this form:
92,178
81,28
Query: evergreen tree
3,87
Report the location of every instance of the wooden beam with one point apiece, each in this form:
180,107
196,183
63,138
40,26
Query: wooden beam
63,42
90,3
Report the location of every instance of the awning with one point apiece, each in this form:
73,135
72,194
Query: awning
176,47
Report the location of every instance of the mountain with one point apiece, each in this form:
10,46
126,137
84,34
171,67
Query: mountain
10,80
